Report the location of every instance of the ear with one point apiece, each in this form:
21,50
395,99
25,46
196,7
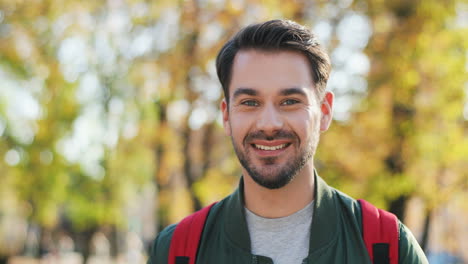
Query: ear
326,108
225,111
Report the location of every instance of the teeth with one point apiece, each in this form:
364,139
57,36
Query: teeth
270,148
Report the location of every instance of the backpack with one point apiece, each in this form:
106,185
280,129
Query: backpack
380,234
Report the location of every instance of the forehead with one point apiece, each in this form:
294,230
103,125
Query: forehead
270,70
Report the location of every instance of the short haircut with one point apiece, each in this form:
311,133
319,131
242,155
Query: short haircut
271,36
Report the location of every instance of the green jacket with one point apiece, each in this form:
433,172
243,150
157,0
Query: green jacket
336,235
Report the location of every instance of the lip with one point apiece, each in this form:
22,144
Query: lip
272,143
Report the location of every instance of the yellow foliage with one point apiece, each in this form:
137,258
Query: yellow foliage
214,186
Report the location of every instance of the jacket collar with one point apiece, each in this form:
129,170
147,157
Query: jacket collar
324,223
325,218
235,223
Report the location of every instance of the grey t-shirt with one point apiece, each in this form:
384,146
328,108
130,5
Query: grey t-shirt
285,239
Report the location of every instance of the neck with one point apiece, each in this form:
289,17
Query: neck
275,203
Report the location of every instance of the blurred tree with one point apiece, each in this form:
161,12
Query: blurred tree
34,116
407,137
80,108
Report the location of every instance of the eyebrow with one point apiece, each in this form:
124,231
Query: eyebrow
291,91
284,92
246,91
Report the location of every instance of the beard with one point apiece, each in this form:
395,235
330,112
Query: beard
270,174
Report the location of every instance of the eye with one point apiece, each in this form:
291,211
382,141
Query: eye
289,102
249,103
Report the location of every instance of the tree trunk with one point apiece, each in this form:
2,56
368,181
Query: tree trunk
3,259
402,115
113,241
83,241
191,12
427,228
162,173
398,206
188,169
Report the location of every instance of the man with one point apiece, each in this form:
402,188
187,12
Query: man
274,77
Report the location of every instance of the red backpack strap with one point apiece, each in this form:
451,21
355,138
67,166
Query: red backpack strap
186,237
380,233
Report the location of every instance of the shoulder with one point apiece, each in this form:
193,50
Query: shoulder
349,206
336,199
161,245
409,249
160,248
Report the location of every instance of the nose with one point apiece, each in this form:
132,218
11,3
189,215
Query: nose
269,120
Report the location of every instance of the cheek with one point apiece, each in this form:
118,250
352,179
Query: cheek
239,124
305,125
306,118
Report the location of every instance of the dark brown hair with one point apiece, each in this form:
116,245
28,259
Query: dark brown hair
275,35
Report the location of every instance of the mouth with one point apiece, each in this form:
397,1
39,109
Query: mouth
271,148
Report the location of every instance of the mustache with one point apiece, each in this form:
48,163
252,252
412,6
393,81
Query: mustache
260,135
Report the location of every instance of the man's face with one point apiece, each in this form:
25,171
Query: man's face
274,117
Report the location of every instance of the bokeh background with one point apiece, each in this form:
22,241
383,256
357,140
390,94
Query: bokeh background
110,128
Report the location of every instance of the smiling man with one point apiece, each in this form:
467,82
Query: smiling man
274,77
